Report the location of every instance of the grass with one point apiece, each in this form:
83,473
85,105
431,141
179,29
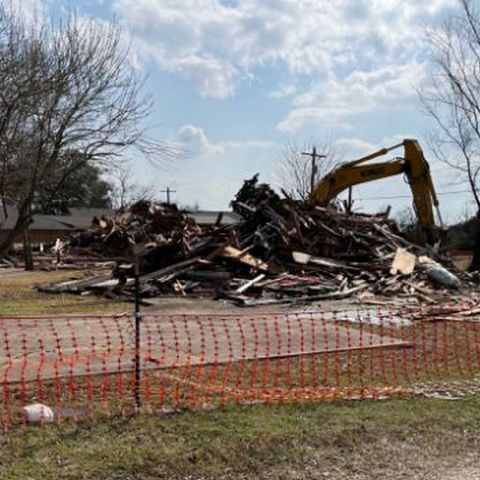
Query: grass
392,439
18,296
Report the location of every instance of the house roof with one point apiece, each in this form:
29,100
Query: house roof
81,218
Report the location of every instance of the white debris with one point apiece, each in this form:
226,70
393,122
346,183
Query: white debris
427,262
38,413
404,262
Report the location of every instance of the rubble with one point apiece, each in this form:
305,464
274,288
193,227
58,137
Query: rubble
283,252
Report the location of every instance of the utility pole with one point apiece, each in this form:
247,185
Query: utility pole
168,191
349,203
314,155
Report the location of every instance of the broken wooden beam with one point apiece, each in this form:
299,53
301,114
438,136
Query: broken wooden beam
243,257
250,283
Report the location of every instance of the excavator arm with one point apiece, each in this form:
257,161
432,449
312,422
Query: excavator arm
413,165
347,176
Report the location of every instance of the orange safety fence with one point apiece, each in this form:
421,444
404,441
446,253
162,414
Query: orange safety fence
84,366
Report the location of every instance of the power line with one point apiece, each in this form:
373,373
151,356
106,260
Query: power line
393,197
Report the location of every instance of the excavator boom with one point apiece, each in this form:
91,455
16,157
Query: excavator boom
413,165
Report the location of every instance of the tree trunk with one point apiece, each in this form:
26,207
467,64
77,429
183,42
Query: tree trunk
27,249
23,220
475,266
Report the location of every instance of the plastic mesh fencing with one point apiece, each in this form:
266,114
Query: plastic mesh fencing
85,366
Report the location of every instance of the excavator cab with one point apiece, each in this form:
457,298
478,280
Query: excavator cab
413,164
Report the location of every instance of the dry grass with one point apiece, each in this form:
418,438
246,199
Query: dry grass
366,440
18,296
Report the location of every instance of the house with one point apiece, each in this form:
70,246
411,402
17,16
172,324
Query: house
47,228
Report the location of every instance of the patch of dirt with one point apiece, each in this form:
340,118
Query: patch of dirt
462,473
451,458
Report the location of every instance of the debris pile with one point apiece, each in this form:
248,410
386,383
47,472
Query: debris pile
283,252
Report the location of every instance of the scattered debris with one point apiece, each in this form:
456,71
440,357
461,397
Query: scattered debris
283,252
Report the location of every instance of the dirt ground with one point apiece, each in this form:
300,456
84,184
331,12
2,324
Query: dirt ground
175,305
465,473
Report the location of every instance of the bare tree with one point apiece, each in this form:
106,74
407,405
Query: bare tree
453,99
296,168
126,190
66,86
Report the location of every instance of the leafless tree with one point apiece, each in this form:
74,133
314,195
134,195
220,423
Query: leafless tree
67,85
296,168
126,190
195,207
452,98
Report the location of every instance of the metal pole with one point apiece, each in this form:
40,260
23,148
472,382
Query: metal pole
138,319
312,173
349,208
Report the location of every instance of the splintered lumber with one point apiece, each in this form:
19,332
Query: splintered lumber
249,284
392,237
421,292
305,259
243,257
177,268
76,286
282,251
306,298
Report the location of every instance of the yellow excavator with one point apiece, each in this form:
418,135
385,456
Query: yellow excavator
413,164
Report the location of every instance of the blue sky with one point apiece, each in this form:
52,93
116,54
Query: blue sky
235,80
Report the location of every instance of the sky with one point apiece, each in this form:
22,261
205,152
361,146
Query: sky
234,81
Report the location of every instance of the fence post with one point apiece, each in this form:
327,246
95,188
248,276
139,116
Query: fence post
138,322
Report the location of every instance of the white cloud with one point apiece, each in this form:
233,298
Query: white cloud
329,104
216,44
284,90
194,142
211,77
349,148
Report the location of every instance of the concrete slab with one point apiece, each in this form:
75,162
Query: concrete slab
48,348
